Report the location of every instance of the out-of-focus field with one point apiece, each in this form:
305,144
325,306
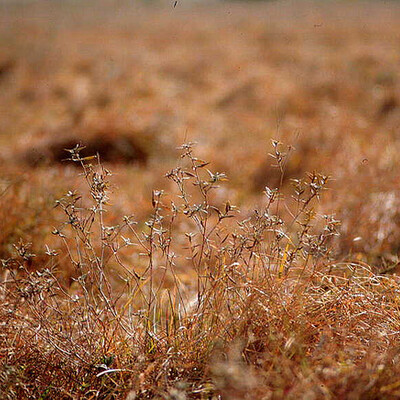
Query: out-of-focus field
134,82
323,78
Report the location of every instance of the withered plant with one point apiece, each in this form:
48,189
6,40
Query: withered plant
198,301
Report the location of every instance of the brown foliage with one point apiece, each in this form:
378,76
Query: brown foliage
190,298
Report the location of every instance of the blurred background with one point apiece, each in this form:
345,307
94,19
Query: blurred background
133,80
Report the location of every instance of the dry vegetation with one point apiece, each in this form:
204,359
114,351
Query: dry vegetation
135,267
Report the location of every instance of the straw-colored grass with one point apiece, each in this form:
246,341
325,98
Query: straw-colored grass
134,267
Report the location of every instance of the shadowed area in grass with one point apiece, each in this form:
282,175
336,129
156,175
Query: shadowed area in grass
111,148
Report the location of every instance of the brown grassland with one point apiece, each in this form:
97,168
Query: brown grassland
199,201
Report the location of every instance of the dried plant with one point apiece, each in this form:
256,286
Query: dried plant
267,299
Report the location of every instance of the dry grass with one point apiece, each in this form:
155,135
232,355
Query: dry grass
121,280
